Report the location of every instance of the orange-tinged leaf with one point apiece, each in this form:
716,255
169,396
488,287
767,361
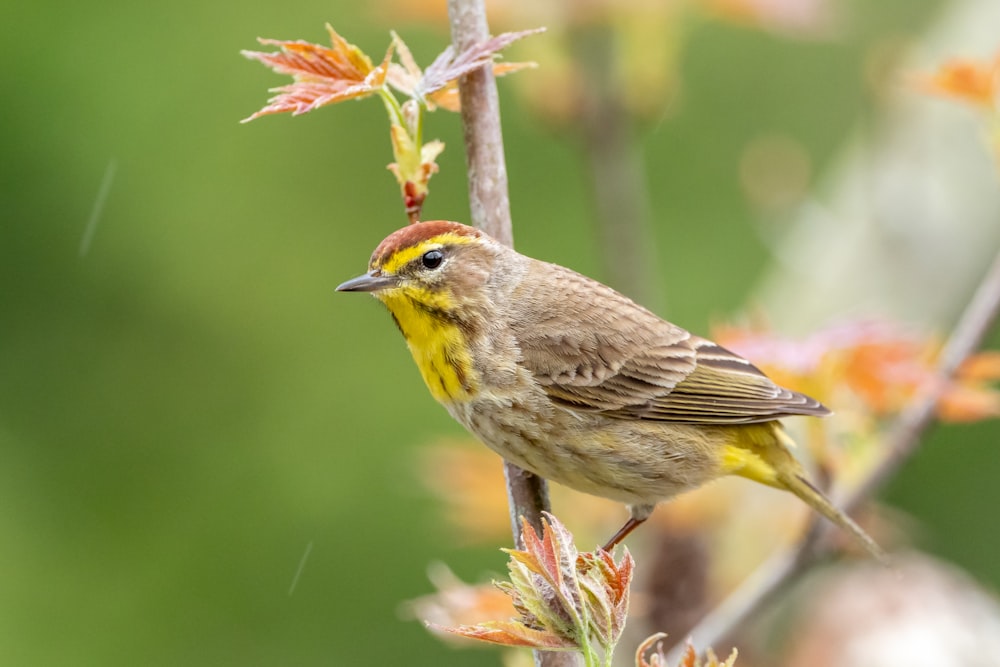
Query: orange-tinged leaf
883,366
357,59
504,68
797,17
405,75
886,373
469,480
447,97
982,366
512,633
712,661
962,403
458,603
322,75
650,654
564,599
973,81
555,558
608,584
429,153
690,658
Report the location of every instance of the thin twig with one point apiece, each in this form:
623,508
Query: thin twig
527,493
901,442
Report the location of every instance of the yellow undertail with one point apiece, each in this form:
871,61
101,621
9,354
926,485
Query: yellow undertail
761,452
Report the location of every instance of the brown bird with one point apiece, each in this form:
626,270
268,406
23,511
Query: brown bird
571,380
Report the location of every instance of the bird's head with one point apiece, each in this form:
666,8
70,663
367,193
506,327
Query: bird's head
439,266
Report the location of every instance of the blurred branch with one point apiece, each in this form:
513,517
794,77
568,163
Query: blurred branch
968,334
527,493
902,441
617,172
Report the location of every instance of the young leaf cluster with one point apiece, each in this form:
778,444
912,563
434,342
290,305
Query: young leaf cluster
328,75
565,600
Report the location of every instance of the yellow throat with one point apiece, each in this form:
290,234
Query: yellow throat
438,345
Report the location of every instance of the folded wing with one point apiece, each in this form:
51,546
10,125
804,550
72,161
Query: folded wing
618,358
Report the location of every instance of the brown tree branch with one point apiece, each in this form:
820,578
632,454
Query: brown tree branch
527,494
901,442
489,203
484,156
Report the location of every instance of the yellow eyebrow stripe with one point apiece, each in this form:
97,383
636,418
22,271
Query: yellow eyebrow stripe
404,256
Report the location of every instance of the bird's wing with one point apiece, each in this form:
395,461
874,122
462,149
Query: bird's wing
615,357
723,388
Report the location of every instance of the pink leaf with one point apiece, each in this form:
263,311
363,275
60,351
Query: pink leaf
448,67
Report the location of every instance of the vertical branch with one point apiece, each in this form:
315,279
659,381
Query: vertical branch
488,199
490,205
527,493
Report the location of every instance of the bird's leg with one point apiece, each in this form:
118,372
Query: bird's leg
623,532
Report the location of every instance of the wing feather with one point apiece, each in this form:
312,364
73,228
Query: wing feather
622,360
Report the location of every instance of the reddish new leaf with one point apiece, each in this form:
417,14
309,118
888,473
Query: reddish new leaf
650,654
690,658
608,584
552,556
881,364
512,633
322,75
438,85
976,82
564,599
449,67
545,574
447,97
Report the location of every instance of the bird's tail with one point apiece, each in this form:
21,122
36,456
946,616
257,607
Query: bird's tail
761,453
801,487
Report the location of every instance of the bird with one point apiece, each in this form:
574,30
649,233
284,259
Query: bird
571,380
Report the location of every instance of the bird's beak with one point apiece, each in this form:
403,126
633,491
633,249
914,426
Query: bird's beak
369,282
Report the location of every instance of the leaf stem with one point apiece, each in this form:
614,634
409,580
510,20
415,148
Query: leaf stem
418,130
392,107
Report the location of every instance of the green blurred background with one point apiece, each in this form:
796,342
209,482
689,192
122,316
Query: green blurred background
188,406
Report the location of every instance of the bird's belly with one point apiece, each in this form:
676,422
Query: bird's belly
633,462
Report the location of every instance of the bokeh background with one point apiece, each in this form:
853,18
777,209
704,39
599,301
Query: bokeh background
189,413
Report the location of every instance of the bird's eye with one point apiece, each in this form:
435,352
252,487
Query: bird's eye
432,259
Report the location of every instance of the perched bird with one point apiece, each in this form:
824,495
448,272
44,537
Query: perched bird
571,380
